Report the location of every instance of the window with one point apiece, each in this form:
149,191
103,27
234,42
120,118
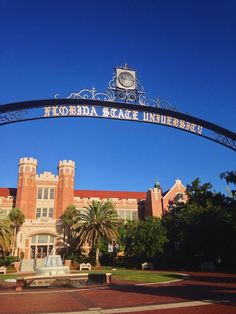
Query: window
50,212
38,212
121,214
46,193
44,213
40,193
42,238
135,216
128,214
51,194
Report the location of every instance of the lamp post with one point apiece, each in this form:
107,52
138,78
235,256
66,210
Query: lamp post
115,250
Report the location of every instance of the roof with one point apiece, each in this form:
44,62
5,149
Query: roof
5,192
110,194
164,193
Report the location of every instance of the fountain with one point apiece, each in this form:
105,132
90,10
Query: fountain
54,274
53,266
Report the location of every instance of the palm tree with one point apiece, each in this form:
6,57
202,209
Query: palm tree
6,236
230,178
17,217
98,221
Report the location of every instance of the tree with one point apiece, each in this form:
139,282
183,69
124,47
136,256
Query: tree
17,218
69,219
144,238
201,230
230,178
6,235
98,221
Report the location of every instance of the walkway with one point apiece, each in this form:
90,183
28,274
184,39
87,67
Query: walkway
201,293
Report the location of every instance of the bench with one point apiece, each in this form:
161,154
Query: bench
147,266
207,266
85,266
3,270
104,278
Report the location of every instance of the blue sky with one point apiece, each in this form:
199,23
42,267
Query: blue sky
183,51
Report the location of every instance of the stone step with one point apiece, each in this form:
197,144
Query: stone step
27,266
40,262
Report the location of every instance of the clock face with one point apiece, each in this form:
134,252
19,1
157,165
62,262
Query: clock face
126,79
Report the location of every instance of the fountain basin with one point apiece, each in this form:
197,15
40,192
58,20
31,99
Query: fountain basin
53,266
56,270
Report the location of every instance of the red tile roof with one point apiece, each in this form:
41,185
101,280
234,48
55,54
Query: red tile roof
5,192
110,194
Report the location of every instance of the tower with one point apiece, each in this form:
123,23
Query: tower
26,188
153,204
65,189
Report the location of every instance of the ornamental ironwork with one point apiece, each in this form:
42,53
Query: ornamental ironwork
124,99
14,116
225,140
124,87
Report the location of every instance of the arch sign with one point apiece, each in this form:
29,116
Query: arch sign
124,99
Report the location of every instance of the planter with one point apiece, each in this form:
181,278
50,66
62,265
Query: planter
17,266
67,262
75,265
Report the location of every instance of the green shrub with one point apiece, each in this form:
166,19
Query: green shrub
8,260
85,259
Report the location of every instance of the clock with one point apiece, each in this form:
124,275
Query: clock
126,79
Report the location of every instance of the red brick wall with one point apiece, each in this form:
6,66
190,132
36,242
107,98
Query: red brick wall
169,198
65,188
153,204
26,189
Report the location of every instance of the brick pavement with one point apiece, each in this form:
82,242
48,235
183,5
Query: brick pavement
200,286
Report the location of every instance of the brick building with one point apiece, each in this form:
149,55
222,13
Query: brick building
44,197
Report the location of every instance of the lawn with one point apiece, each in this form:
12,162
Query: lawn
143,275
126,274
8,276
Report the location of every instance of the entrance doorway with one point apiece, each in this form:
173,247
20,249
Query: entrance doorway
41,246
40,251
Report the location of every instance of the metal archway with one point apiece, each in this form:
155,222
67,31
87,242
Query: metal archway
95,108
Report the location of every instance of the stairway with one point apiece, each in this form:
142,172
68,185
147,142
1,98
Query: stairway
27,266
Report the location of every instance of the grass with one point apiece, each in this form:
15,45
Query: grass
126,274
142,275
8,276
